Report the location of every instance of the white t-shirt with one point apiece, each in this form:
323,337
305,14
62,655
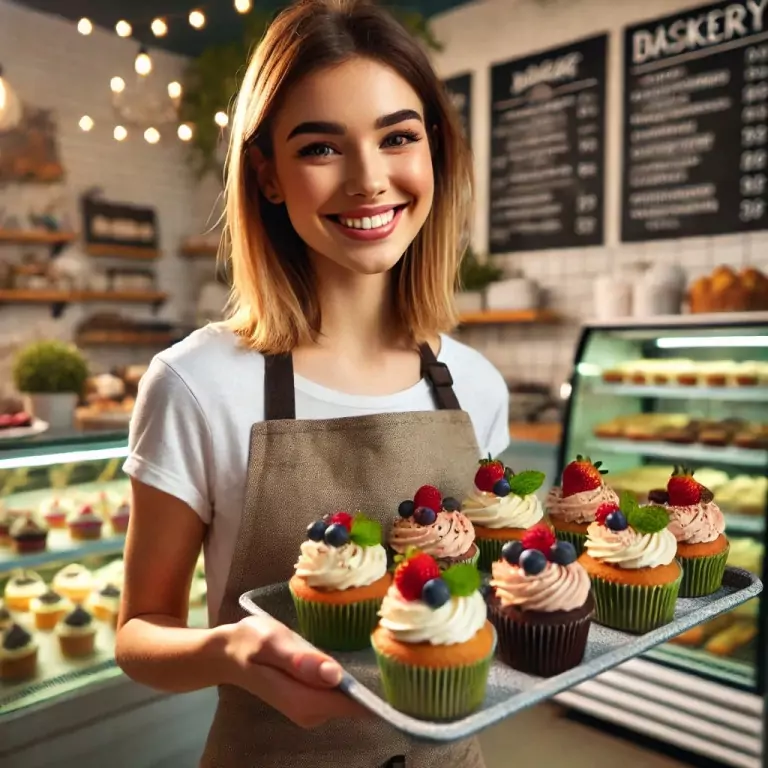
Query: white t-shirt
190,430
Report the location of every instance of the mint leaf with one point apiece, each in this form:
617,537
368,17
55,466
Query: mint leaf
462,580
526,483
365,532
651,519
628,503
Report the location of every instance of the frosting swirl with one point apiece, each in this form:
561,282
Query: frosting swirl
630,549
339,568
581,507
451,535
556,588
492,511
412,621
697,523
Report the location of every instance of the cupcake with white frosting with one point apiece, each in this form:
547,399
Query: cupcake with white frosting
501,507
18,654
55,512
630,557
22,588
434,643
340,580
74,581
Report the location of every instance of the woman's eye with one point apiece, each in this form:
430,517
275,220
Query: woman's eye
316,150
401,139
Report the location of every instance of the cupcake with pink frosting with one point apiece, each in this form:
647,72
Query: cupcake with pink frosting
541,604
436,526
699,527
572,506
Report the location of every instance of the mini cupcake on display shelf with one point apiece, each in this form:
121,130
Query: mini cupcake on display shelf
28,534
436,526
55,512
501,507
572,505
341,578
74,581
21,588
18,654
49,609
77,633
85,524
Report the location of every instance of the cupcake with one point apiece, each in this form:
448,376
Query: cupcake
105,604
341,578
49,609
21,588
85,524
74,581
28,534
434,525
55,512
540,604
119,517
630,557
573,505
18,654
77,633
434,644
501,507
698,525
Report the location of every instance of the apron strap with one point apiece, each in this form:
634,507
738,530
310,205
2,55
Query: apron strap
280,391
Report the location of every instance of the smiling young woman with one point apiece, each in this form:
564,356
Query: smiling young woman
348,194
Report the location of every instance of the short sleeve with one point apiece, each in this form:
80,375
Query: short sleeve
170,446
498,434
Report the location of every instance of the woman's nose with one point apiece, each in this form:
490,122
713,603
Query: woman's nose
367,175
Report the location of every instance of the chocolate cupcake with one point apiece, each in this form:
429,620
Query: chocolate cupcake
77,633
18,654
28,534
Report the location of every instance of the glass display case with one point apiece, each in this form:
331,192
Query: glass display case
692,391
63,511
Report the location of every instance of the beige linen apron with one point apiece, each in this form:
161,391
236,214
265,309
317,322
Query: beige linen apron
299,470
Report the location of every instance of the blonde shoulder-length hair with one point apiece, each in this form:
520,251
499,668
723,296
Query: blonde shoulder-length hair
274,305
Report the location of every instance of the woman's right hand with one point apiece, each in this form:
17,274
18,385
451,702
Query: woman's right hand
278,666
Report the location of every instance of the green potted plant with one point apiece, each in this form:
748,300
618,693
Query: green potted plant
474,277
51,376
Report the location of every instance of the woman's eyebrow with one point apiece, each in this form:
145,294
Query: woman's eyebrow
338,129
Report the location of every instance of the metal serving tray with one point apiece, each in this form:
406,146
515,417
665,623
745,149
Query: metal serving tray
510,691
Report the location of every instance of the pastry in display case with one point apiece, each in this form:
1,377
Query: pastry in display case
648,398
64,512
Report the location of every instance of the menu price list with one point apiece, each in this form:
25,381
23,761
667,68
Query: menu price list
547,149
695,138
459,90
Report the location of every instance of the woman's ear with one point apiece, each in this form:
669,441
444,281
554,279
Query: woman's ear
265,175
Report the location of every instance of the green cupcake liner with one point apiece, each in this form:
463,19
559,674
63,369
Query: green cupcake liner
577,539
635,609
337,627
702,575
433,694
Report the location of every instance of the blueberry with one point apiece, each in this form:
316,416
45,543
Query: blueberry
425,516
532,562
616,521
562,553
435,593
316,530
450,504
511,552
336,535
501,488
406,508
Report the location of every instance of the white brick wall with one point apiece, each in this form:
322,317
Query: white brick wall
480,34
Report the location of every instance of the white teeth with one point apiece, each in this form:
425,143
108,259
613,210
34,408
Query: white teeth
369,222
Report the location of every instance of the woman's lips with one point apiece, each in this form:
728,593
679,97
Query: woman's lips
369,228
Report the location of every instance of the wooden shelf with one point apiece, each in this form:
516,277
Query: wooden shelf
122,251
194,250
132,297
124,339
69,297
504,316
35,237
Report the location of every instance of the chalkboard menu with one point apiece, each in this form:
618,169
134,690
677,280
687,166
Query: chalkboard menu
547,149
695,135
460,92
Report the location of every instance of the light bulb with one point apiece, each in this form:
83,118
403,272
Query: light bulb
221,119
159,28
120,133
84,26
143,63
86,123
174,90
117,84
185,132
123,29
242,6
152,135
197,19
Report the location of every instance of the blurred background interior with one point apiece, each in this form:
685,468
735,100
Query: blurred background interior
617,277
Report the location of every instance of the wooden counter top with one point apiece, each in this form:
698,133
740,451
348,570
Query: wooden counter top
537,433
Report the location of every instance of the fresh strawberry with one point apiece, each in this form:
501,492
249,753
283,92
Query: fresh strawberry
412,574
342,518
490,472
428,496
539,537
603,511
683,490
581,475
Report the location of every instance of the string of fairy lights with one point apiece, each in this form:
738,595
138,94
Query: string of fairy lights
143,66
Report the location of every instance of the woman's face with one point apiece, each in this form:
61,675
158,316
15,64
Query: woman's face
352,163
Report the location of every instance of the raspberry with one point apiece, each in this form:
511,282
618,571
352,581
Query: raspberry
539,537
413,574
603,511
342,518
428,496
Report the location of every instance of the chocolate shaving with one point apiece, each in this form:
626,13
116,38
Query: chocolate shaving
707,495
